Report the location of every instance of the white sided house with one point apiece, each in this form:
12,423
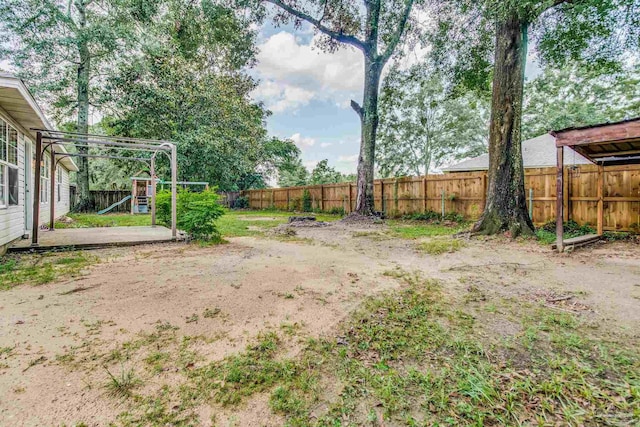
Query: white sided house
19,115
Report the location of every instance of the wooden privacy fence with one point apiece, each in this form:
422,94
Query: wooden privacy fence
465,194
102,199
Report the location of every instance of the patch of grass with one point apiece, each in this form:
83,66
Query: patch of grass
122,385
85,220
441,246
240,223
411,230
38,269
547,233
414,358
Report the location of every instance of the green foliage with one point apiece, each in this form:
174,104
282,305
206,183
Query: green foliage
241,202
44,40
434,216
197,213
576,96
296,175
547,233
306,201
422,127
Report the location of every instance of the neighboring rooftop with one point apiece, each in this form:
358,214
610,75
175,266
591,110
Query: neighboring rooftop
538,152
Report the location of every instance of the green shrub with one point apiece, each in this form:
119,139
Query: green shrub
241,202
453,216
306,201
336,211
196,212
423,216
434,216
570,228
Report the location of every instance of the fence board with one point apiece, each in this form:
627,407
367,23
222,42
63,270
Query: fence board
102,199
465,193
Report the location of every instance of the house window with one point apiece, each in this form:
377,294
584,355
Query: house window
59,183
9,182
45,169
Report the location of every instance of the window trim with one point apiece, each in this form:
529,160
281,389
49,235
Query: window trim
4,157
59,183
4,200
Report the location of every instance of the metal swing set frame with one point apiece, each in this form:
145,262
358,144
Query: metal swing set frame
50,139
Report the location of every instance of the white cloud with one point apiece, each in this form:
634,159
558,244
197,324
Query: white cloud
347,164
302,142
310,164
293,73
348,159
326,144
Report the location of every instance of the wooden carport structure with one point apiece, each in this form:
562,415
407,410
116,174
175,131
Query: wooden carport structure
605,145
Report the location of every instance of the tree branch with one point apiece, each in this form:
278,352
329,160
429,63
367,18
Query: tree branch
357,108
336,35
393,43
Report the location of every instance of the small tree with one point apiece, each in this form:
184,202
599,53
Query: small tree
197,213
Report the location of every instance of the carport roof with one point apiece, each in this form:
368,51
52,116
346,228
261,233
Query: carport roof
606,143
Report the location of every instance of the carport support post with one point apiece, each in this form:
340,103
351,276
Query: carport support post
52,186
560,199
600,199
174,191
153,190
35,223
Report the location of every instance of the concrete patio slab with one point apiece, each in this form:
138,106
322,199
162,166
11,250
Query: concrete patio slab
93,238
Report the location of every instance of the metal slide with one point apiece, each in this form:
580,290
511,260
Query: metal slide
103,211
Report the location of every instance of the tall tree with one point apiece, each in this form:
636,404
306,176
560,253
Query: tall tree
376,28
423,125
593,31
59,48
187,83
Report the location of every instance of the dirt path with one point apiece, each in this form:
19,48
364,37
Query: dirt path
56,338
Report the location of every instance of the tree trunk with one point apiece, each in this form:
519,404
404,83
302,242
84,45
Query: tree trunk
506,208
84,203
369,128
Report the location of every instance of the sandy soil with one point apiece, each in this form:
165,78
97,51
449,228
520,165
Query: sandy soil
258,284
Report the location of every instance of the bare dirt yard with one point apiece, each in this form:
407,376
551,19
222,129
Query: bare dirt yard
392,324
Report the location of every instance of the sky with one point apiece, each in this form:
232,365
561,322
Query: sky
308,91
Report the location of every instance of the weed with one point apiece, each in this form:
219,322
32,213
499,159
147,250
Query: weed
211,312
414,231
193,318
123,384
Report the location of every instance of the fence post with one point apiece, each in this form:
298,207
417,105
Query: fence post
383,203
442,197
261,197
424,192
349,197
288,199
272,201
322,197
531,203
395,196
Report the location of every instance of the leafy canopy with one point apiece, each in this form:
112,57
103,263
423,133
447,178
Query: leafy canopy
422,127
